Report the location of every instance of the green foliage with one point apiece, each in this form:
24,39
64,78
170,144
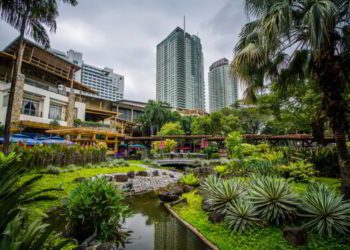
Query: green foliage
325,159
190,179
241,216
95,207
255,239
171,128
211,151
326,212
233,144
222,193
169,145
299,171
60,155
21,234
273,199
16,232
222,170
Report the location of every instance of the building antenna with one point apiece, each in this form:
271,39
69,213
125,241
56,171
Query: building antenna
184,25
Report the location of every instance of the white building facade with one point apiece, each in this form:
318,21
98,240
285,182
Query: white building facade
223,86
180,71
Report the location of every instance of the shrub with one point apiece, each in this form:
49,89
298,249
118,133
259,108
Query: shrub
190,179
53,170
233,143
325,159
222,170
221,193
60,155
298,171
273,199
241,216
95,207
325,211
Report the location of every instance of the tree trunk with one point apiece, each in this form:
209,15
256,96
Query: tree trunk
16,71
328,74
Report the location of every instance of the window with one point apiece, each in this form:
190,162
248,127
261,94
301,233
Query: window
5,101
55,112
30,107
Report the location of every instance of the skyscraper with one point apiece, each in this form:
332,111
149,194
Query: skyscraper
180,71
223,87
109,85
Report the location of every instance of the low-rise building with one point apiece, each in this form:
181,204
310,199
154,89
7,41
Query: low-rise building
45,90
130,110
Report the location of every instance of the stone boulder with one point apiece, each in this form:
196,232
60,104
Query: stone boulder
80,179
121,178
171,176
206,206
106,246
216,217
297,236
131,174
177,189
155,173
142,173
188,188
168,197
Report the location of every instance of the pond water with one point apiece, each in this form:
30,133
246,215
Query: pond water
155,229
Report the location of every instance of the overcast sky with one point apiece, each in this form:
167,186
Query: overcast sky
123,34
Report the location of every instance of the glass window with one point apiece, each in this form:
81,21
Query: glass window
30,107
55,112
5,101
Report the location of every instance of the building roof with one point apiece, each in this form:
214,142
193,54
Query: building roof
46,61
132,103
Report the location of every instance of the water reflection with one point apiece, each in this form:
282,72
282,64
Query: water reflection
154,229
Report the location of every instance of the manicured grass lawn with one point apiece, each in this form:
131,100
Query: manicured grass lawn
260,238
67,183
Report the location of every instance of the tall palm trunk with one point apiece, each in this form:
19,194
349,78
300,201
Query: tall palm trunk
328,73
16,71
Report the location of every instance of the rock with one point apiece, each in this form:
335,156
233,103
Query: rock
121,178
181,201
128,186
131,174
187,188
142,173
155,173
164,173
206,205
106,246
80,179
178,190
297,236
215,217
171,176
168,197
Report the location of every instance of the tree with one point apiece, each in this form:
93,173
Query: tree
315,33
171,128
30,17
156,114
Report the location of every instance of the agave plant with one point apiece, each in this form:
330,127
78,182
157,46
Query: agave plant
221,193
190,179
325,210
273,199
241,216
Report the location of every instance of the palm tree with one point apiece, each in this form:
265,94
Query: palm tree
156,114
293,40
28,17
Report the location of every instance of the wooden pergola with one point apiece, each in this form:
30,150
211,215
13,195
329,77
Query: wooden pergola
89,136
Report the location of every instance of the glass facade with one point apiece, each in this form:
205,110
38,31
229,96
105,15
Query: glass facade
180,71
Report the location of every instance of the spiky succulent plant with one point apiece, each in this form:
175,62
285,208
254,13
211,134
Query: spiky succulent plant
325,210
241,216
273,199
220,193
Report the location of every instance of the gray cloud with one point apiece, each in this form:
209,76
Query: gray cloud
123,34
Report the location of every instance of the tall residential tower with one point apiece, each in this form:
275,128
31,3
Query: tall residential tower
180,71
223,87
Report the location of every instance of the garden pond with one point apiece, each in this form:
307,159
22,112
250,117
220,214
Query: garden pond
154,228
